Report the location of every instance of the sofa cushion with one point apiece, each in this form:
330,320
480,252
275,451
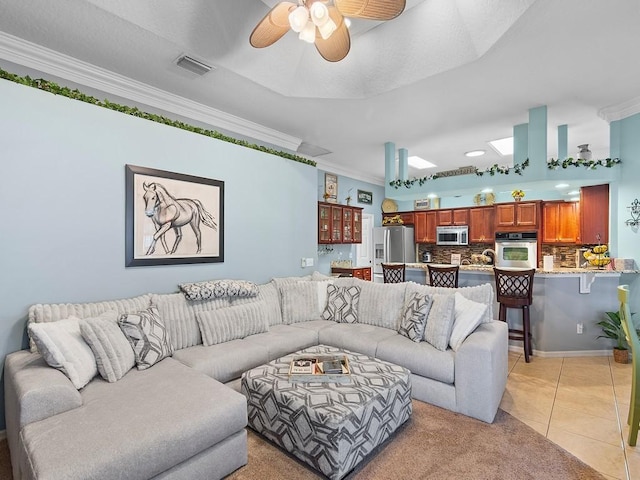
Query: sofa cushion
179,315
219,289
64,349
283,339
114,355
479,293
268,294
138,427
314,325
342,304
414,316
230,323
380,303
224,361
357,337
300,301
421,358
440,321
53,312
468,315
147,335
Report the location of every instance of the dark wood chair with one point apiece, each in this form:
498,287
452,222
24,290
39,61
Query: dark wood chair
514,289
443,276
393,273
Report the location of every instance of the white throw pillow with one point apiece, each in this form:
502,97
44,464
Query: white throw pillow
299,302
230,323
468,315
114,355
64,349
440,321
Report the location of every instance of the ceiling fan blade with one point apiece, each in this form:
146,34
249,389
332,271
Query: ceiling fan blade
371,9
336,47
273,26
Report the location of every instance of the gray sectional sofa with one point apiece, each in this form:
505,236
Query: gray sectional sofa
184,416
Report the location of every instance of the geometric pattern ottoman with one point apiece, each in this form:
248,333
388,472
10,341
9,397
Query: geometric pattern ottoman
330,426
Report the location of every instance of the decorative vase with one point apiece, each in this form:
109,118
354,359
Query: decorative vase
620,356
517,199
584,153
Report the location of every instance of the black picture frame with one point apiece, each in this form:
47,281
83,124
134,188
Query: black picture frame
196,202
365,197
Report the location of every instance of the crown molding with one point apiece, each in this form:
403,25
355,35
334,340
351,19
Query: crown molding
620,111
340,170
37,57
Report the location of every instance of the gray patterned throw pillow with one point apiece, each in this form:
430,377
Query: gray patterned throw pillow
219,289
414,316
147,335
342,304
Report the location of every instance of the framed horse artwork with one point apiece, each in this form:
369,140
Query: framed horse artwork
172,218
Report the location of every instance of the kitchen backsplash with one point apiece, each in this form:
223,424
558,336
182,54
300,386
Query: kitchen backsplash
563,255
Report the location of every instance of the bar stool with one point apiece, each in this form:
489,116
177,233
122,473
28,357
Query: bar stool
393,273
514,289
443,276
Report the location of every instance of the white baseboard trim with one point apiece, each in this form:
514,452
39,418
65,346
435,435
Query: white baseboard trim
567,353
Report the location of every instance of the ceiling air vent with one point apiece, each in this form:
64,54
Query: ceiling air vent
312,150
193,65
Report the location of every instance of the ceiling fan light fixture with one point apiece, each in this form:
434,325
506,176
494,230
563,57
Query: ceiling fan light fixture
308,33
299,19
327,29
319,13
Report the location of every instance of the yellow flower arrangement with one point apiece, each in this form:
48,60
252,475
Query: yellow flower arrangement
517,193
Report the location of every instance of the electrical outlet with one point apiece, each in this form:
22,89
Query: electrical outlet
579,328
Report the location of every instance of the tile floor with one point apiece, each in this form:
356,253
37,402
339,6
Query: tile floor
579,403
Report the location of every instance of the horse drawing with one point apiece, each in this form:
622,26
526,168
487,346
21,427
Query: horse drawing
168,212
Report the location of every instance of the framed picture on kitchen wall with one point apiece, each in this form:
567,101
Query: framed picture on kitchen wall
365,197
172,218
331,188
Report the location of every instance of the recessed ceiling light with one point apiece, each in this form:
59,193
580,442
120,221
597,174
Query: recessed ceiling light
486,190
504,146
573,192
562,185
419,163
475,153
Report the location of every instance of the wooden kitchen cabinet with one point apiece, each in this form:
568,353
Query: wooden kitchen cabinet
481,225
339,223
363,273
425,226
517,215
560,222
407,218
594,214
456,216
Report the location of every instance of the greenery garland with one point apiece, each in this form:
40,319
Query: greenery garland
554,164
518,168
75,94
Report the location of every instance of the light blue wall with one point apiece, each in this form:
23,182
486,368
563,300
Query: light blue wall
63,195
348,186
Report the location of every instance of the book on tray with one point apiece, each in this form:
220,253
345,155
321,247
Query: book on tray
319,366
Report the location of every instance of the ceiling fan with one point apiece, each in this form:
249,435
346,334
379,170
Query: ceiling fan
321,22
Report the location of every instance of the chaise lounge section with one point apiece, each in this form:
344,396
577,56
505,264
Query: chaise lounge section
183,417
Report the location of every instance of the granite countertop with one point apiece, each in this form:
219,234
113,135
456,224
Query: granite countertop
555,271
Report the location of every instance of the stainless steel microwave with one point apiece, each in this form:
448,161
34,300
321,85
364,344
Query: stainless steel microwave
452,235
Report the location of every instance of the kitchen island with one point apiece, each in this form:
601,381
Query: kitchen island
565,302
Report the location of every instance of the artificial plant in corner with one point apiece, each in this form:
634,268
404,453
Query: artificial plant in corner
612,328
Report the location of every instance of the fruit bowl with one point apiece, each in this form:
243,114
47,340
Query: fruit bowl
597,256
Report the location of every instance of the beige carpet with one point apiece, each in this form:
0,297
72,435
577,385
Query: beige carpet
434,444
438,444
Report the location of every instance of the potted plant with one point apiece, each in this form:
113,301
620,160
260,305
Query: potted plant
517,194
612,328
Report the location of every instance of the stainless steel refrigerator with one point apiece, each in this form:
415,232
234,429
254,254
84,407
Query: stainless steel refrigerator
392,244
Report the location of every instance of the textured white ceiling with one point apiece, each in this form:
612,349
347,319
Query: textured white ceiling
443,78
